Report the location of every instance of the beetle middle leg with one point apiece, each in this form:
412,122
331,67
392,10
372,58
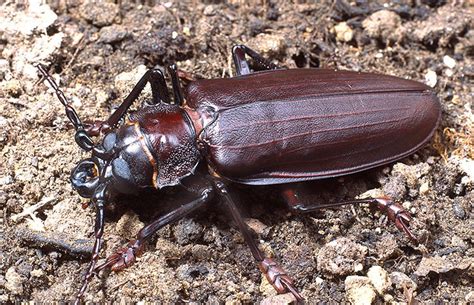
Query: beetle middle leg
396,213
275,274
241,64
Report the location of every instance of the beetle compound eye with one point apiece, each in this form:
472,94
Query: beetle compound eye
109,141
85,178
123,177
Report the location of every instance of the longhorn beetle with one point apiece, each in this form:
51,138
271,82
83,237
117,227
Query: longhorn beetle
277,126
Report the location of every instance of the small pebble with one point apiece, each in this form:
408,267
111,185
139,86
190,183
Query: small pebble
459,211
6,180
379,279
14,281
359,291
343,32
358,267
209,10
402,281
431,78
449,62
424,188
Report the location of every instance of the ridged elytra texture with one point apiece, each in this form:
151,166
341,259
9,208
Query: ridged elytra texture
303,124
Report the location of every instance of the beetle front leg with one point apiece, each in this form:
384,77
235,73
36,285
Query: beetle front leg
241,64
126,256
275,274
395,213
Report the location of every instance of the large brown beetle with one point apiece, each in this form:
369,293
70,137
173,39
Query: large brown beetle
259,128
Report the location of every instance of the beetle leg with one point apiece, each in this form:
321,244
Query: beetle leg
159,93
275,274
126,256
241,64
177,91
99,200
395,213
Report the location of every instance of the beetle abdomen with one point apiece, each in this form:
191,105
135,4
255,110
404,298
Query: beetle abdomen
324,123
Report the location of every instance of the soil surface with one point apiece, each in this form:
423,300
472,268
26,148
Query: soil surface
97,52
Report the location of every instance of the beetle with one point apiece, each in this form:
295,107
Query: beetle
276,126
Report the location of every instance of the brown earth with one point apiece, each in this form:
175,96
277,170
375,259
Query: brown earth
97,51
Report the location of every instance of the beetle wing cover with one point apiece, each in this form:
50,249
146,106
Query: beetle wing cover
303,124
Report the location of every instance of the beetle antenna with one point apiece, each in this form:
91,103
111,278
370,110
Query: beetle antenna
81,137
99,201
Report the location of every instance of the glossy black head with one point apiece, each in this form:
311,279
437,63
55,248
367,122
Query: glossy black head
122,159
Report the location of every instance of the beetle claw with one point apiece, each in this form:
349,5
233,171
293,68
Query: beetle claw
278,278
122,258
398,215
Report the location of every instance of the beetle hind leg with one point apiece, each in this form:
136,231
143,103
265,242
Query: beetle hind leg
395,212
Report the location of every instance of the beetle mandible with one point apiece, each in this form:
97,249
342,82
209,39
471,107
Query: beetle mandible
259,128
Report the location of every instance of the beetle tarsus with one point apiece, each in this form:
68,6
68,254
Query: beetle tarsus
122,258
278,278
396,214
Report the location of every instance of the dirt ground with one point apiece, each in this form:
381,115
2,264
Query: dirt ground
97,51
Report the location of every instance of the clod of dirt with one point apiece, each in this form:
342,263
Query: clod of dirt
5,72
190,272
34,18
379,279
383,25
442,264
187,231
113,33
129,225
270,45
11,88
128,79
402,281
257,226
343,32
435,32
469,298
387,247
100,13
14,281
359,291
341,257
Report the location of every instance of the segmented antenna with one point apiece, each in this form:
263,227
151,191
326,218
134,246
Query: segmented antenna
81,136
